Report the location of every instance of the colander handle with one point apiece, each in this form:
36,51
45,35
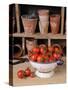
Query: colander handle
60,62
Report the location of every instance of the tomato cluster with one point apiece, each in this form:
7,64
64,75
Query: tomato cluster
22,74
44,54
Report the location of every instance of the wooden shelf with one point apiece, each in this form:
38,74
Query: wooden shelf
40,36
50,36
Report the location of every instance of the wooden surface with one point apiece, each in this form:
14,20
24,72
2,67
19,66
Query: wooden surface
40,36
17,17
59,76
62,20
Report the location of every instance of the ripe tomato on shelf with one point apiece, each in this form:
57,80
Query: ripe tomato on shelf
35,50
40,58
56,56
34,57
43,49
20,74
45,54
32,75
27,72
46,58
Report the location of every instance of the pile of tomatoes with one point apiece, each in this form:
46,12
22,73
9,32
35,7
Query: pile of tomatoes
25,73
44,54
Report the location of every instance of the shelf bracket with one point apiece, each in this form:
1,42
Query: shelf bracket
49,42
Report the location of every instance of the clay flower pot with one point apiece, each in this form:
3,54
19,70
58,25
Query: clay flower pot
54,23
29,24
43,15
43,26
43,21
59,48
30,44
17,51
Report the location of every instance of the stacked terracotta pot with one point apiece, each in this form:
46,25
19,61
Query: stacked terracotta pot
30,44
43,21
29,24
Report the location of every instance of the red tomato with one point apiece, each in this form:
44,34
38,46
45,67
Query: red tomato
27,72
32,75
43,50
56,56
40,58
34,57
35,50
20,74
46,58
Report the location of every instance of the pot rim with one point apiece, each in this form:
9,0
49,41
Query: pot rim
55,15
27,18
46,10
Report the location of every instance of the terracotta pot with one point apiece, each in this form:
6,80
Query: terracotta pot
58,46
17,51
43,26
54,23
43,15
43,12
29,24
30,44
43,21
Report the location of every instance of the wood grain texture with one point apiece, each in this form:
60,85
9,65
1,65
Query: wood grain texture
40,36
17,17
62,20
